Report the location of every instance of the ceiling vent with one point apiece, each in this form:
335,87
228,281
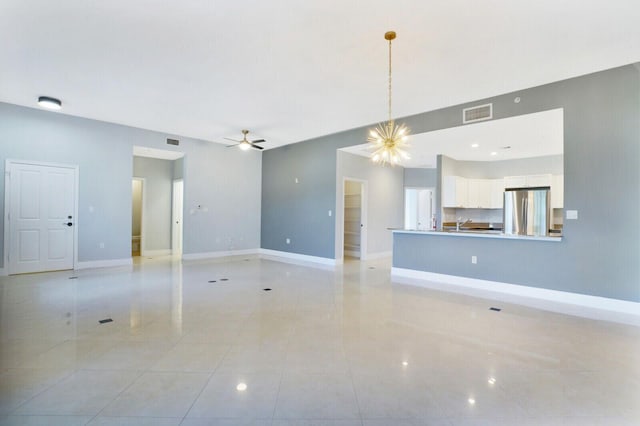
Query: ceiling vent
175,142
477,113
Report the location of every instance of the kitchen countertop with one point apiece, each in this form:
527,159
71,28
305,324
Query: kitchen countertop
479,234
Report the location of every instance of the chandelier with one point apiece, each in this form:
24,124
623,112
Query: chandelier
389,140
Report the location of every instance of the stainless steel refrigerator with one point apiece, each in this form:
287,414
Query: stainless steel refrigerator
527,211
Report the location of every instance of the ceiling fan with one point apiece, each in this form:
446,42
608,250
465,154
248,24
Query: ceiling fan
245,144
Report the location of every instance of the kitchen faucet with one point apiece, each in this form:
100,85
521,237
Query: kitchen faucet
460,224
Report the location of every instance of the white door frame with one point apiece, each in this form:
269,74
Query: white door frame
142,228
433,201
9,163
173,219
363,218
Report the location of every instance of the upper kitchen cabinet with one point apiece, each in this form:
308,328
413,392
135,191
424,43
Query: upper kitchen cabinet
497,194
530,181
479,194
454,191
557,192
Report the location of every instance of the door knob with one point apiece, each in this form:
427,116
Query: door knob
68,224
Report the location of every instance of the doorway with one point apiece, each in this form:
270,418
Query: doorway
137,196
354,234
419,208
176,217
42,204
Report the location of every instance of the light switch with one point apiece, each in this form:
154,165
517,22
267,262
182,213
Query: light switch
330,213
572,214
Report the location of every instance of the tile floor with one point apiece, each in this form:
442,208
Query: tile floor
336,347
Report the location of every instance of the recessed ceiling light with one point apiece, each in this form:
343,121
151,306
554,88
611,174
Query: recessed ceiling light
492,380
471,401
51,103
475,145
494,153
241,387
405,363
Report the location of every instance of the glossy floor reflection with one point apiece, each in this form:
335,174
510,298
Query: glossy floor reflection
324,347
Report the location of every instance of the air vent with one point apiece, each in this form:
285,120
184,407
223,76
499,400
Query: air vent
477,113
175,142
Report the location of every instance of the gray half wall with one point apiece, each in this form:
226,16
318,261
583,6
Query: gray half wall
600,252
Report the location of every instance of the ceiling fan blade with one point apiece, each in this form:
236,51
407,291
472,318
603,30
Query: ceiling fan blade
233,140
257,147
229,146
258,141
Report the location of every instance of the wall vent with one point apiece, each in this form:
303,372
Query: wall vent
477,113
175,142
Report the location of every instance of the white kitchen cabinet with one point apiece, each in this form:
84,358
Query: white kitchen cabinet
478,193
557,192
454,191
529,181
497,194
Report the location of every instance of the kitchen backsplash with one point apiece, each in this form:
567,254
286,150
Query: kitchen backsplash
476,215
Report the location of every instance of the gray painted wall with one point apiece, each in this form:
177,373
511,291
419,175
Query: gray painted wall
420,178
600,252
224,180
156,210
384,200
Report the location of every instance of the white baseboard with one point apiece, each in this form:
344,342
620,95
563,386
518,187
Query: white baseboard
352,253
379,255
104,263
581,305
285,256
219,254
163,252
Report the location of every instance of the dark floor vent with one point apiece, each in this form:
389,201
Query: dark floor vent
224,279
495,309
212,281
266,289
73,278
175,142
106,320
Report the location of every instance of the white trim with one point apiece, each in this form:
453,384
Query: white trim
163,252
581,305
7,205
379,255
285,255
219,254
352,253
109,263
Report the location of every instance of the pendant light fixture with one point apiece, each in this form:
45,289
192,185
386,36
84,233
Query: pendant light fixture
389,140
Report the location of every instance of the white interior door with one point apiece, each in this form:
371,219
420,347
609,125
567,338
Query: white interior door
42,205
424,209
176,215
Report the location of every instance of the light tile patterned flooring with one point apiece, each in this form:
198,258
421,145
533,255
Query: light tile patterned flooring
336,347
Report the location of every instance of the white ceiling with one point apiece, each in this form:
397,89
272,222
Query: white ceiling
290,70
530,135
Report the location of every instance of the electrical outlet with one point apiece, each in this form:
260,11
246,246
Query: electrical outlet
572,214
474,259
101,245
288,241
